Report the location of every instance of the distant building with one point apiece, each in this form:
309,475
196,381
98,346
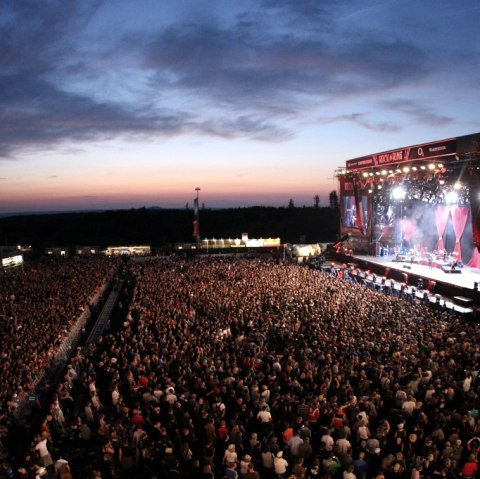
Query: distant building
13,256
12,261
57,251
128,251
87,250
206,245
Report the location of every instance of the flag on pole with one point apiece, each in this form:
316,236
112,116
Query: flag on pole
195,208
196,221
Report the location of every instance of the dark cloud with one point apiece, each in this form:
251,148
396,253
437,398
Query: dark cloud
419,112
251,127
36,34
35,112
306,12
254,77
362,120
249,70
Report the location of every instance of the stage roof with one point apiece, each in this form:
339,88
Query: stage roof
452,150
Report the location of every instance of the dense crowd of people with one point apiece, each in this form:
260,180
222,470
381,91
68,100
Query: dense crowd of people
256,368
39,303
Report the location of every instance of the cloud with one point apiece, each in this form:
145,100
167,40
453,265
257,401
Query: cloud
251,69
36,112
256,128
307,12
362,120
255,76
420,113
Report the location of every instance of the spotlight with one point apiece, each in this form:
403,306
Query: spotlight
457,185
406,169
365,174
398,193
451,197
431,166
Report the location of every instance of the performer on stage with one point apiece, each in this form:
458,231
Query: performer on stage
453,265
430,261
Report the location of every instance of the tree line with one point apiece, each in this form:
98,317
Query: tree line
159,227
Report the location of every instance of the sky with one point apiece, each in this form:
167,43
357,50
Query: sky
123,104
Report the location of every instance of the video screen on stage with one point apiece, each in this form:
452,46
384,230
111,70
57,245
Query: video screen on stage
350,214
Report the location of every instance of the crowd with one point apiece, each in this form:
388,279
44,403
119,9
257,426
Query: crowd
263,369
39,303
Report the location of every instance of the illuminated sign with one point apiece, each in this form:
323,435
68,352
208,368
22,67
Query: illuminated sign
427,151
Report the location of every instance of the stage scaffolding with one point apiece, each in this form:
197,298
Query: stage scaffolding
421,200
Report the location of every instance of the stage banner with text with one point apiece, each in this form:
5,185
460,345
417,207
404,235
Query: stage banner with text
426,152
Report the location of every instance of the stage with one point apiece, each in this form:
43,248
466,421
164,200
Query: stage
434,279
465,279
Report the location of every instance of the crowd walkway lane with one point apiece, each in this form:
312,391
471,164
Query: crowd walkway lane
106,313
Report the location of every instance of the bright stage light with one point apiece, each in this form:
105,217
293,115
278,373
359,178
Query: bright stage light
406,169
431,166
457,185
451,197
398,193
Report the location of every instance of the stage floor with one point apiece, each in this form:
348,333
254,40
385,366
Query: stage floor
465,279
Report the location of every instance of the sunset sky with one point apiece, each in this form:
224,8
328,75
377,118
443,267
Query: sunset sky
123,104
